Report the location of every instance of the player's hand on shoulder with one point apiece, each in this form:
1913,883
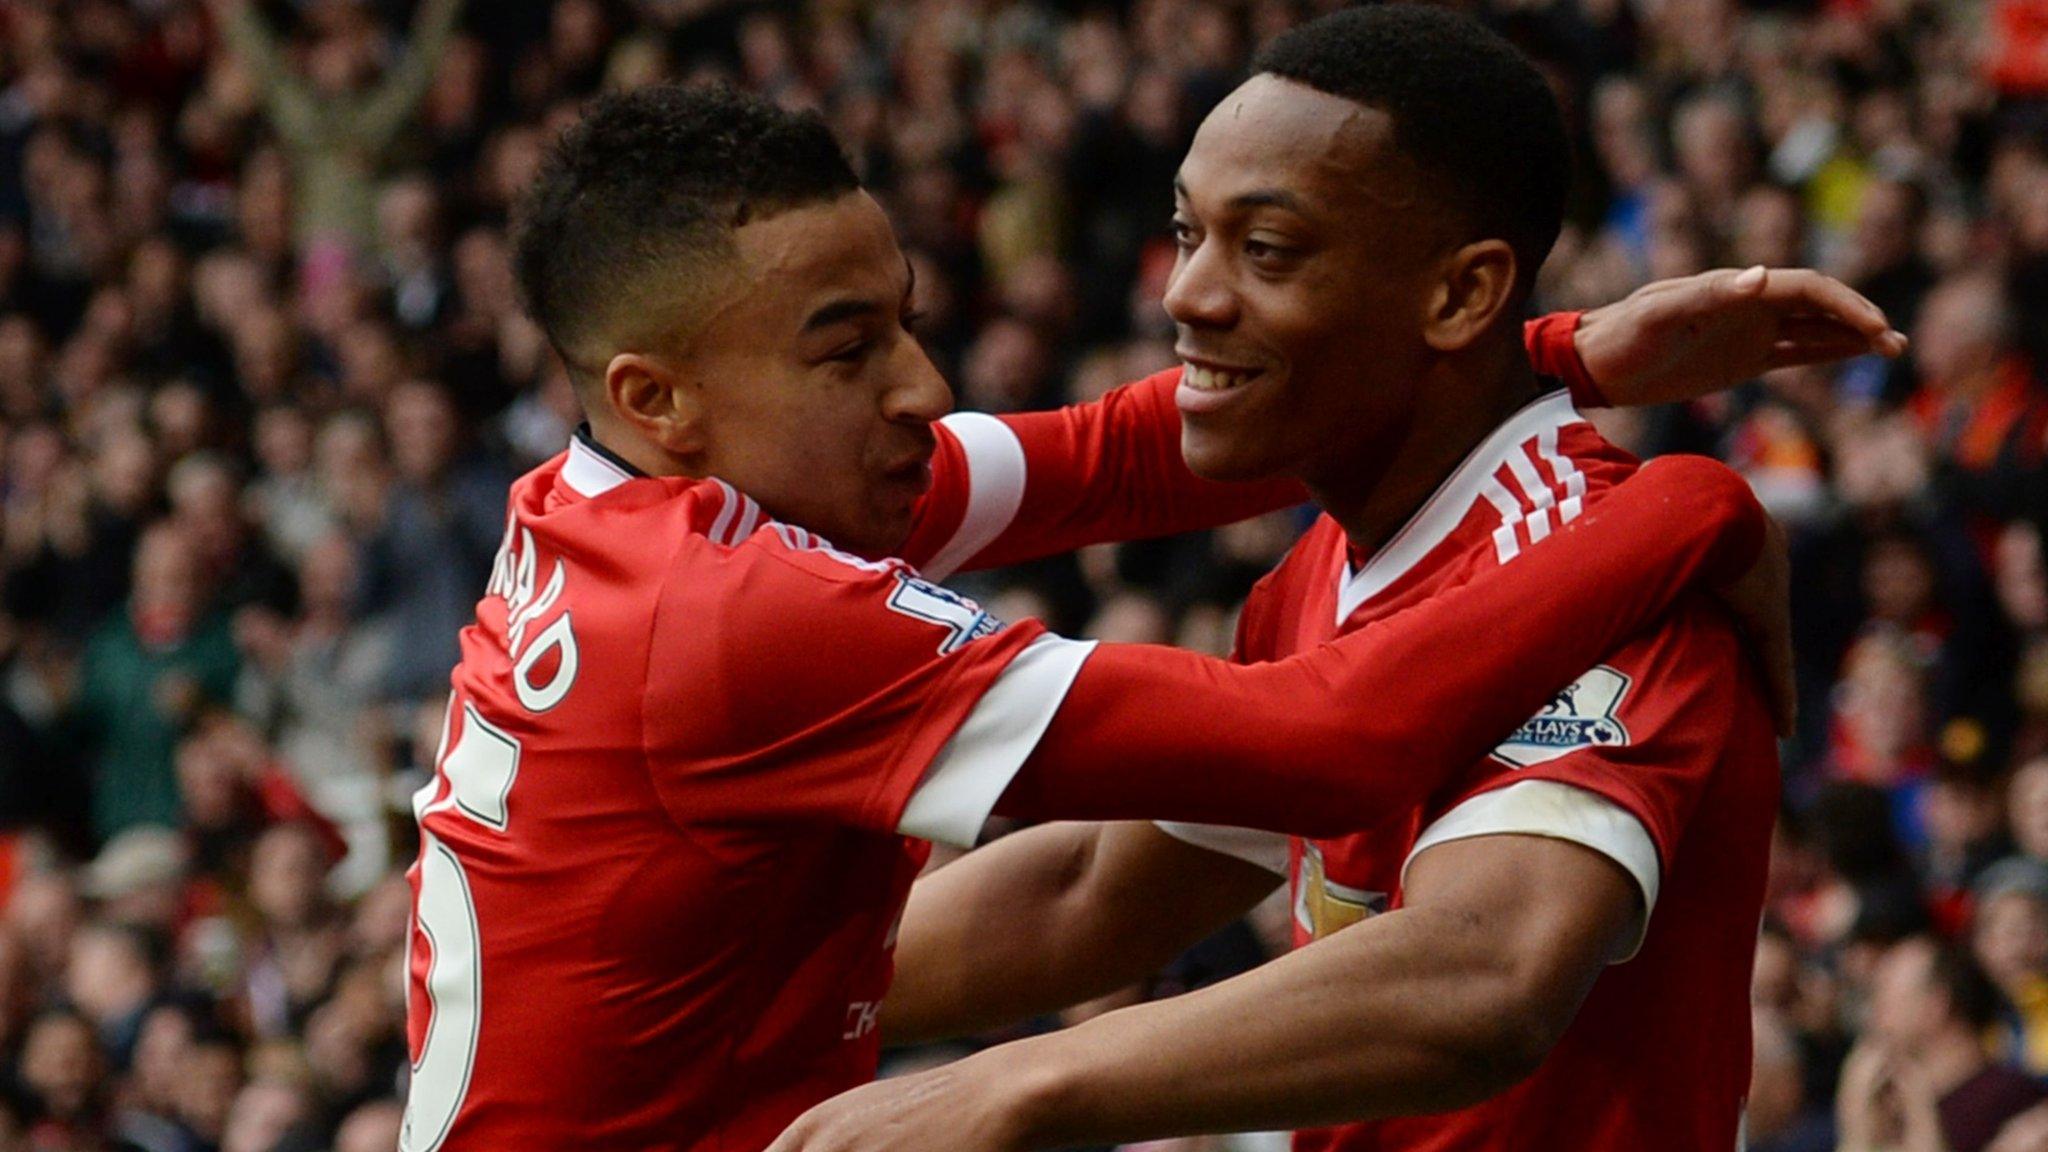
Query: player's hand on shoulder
1690,336
954,1108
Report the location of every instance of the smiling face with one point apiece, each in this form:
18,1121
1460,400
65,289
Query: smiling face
811,394
1307,247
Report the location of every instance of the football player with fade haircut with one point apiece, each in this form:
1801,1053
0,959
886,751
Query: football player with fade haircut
1552,949
694,751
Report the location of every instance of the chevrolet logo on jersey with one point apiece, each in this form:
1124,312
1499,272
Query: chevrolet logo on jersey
1322,906
1584,715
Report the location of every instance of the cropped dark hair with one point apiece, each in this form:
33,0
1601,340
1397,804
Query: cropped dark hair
1466,106
650,180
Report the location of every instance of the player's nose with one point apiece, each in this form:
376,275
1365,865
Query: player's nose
916,392
1198,294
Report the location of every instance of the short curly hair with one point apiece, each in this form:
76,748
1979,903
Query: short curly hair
1466,106
649,185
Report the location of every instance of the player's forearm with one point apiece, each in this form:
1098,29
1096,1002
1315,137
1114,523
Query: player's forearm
1085,897
1332,741
1407,1013
958,967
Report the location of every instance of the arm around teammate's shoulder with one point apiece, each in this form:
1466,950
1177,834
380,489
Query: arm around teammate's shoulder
1335,739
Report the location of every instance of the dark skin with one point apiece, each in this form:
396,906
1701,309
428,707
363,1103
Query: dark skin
1308,248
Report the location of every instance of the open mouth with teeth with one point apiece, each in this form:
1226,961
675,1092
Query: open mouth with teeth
1205,379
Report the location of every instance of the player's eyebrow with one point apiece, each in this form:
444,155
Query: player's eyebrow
840,311
1256,198
1270,198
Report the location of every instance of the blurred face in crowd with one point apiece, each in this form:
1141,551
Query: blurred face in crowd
420,422
1905,1007
2011,940
44,915
162,1048
1887,226
1962,330
61,1062
804,387
2019,577
207,1087
108,976
1898,581
2027,808
1776,1085
284,441
1881,701
124,471
1768,228
1305,253
206,503
327,578
167,574
285,875
1960,813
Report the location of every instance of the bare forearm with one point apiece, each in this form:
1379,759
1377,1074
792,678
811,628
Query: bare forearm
955,976
1390,1017
1052,917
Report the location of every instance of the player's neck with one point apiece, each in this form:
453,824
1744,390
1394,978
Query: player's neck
1461,404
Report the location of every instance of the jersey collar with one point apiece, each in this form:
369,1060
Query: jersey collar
592,469
1474,479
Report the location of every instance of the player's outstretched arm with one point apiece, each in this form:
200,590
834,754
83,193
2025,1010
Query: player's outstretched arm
1100,906
1442,1003
1688,337
1018,487
1331,741
1012,488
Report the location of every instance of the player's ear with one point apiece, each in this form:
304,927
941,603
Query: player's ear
1474,285
651,395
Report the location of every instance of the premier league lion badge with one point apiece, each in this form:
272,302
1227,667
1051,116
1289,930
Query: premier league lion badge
1584,715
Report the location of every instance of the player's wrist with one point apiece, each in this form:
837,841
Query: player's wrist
1558,344
1034,1089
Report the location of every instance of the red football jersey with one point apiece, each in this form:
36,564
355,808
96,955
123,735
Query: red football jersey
1661,757
653,913
651,909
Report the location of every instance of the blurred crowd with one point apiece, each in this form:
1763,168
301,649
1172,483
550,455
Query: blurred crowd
264,379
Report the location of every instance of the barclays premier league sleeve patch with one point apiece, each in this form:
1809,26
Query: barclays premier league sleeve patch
962,619
1585,715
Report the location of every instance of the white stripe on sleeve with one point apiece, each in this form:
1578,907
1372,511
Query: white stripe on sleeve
995,488
1559,811
1269,850
969,774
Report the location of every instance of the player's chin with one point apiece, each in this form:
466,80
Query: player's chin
886,526
1223,453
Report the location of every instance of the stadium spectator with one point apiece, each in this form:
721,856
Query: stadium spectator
1921,1079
